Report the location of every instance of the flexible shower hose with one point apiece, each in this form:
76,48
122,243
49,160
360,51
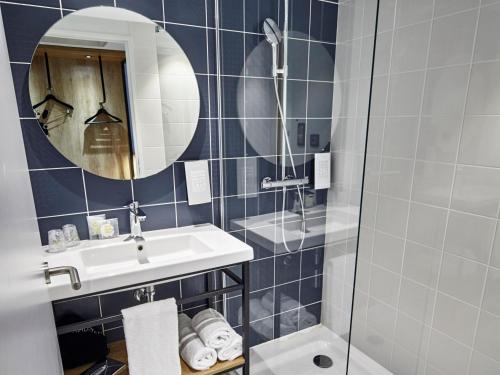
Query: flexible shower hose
285,134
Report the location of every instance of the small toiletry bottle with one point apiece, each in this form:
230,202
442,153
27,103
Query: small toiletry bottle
108,229
94,223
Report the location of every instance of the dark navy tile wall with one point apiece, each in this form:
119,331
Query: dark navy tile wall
151,8
58,191
80,4
42,154
146,189
324,15
299,17
286,287
23,36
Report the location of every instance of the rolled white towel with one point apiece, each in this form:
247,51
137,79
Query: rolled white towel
267,301
191,348
257,311
306,319
264,327
288,303
233,349
212,328
286,329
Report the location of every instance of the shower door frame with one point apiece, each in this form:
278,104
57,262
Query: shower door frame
372,73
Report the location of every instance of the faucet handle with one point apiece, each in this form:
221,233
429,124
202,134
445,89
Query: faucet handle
136,211
133,206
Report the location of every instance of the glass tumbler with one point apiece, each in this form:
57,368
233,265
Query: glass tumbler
57,243
71,235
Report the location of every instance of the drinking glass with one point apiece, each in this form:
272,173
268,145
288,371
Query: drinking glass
71,235
57,242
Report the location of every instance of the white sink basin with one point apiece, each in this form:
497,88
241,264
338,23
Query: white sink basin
266,230
109,264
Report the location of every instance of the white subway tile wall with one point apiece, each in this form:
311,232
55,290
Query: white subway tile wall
429,249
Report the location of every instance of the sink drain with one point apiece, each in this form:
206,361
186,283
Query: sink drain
323,361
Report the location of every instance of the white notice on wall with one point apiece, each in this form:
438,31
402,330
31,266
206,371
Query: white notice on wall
322,171
198,182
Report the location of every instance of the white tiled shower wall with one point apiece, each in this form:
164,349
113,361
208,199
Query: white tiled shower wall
428,281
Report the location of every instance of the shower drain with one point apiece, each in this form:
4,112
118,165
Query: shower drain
323,361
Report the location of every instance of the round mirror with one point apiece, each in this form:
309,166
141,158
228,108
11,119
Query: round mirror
114,93
256,99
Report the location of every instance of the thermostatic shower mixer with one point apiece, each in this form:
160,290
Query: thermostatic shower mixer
268,183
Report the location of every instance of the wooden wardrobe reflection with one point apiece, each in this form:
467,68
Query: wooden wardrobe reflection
103,149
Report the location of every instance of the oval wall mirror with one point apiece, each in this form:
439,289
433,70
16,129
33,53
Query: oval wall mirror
114,93
257,96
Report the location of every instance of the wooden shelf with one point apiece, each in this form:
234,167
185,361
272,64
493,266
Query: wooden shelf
118,351
218,368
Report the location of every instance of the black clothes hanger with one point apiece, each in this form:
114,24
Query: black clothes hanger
102,116
44,116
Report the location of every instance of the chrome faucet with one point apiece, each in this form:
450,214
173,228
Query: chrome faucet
136,217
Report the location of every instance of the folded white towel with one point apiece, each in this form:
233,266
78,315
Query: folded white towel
257,311
286,303
288,321
193,351
233,349
151,334
212,328
306,319
264,327
267,301
286,329
261,317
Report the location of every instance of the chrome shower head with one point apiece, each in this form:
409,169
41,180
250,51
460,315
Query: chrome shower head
272,31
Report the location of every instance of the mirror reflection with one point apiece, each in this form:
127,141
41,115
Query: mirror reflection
114,93
308,124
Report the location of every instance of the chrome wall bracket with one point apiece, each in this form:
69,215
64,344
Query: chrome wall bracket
268,183
146,294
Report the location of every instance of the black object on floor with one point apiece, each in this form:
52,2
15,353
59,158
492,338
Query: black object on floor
81,347
323,361
107,367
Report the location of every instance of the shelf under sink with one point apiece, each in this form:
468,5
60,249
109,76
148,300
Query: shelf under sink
118,352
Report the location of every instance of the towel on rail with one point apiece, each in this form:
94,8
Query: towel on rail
151,334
